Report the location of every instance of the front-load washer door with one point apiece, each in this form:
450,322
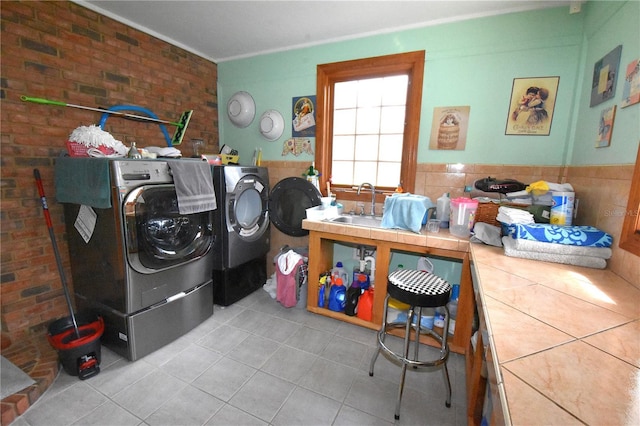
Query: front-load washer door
157,235
247,214
289,200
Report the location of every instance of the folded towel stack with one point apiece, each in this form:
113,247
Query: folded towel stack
572,245
510,215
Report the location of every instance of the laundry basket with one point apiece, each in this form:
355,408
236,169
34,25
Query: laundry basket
292,284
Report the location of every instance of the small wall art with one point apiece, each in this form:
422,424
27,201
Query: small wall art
605,75
605,127
533,100
631,88
304,116
449,128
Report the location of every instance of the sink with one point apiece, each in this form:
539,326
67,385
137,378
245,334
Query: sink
367,221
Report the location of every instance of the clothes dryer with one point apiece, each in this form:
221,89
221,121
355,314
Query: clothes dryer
246,207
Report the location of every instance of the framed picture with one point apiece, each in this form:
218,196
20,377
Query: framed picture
631,88
449,128
303,116
605,127
531,106
605,75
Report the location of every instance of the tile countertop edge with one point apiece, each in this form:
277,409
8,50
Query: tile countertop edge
531,274
441,240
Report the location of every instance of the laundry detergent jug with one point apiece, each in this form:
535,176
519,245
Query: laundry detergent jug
337,296
340,272
365,305
353,297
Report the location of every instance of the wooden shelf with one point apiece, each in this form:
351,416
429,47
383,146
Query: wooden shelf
321,245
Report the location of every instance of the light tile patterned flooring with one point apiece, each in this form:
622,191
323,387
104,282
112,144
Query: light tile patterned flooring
254,363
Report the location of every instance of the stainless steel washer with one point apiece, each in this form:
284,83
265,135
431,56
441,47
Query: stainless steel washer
146,268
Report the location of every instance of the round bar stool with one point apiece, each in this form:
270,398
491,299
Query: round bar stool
418,289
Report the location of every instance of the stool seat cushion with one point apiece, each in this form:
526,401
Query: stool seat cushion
418,288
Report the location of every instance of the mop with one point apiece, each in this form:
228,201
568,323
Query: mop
71,342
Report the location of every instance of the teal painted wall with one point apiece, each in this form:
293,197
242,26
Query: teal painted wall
607,25
467,63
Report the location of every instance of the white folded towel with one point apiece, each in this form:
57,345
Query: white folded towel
510,215
567,259
565,249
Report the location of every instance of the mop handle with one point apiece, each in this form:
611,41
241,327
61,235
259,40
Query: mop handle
122,114
47,217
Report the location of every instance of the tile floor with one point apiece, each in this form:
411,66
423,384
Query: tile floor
254,363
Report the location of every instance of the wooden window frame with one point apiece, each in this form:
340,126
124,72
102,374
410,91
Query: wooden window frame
630,235
411,64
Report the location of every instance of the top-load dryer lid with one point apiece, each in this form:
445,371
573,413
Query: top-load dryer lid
288,202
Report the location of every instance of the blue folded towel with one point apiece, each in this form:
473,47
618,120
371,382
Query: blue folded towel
405,211
83,181
586,236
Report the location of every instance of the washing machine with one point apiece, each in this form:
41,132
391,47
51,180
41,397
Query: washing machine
139,263
247,207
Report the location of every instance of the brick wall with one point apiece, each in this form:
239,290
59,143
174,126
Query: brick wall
63,51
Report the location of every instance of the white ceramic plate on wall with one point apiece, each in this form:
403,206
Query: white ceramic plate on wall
241,109
271,124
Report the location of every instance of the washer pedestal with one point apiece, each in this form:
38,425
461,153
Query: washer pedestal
236,283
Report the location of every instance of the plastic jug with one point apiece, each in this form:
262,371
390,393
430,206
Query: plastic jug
365,305
361,276
321,297
443,210
353,296
340,272
463,216
453,307
337,296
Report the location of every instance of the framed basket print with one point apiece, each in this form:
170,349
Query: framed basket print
531,106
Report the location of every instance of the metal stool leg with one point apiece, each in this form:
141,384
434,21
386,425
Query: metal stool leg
445,350
417,336
405,354
381,335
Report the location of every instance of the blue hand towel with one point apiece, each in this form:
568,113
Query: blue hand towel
405,211
83,181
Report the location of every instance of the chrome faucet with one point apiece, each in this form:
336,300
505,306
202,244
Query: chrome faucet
373,196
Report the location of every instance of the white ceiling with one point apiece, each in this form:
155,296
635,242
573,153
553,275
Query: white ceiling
221,30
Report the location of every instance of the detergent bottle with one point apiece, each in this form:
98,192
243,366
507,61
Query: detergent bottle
361,275
337,296
353,296
365,305
340,272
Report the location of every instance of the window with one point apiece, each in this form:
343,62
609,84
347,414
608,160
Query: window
630,236
367,122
